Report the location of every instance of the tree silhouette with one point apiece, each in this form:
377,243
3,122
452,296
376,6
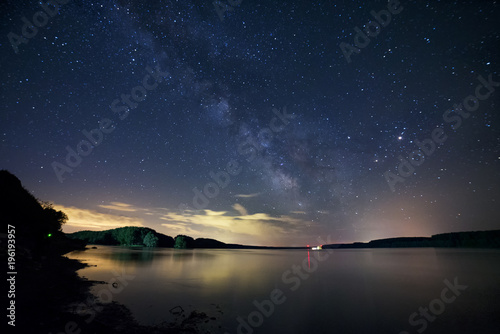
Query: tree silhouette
150,240
37,224
124,236
183,241
52,218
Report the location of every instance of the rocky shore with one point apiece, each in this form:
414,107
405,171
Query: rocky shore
50,294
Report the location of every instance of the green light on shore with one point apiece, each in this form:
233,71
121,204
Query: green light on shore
49,235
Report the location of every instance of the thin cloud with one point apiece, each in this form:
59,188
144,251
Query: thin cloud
233,228
238,207
247,195
119,207
83,219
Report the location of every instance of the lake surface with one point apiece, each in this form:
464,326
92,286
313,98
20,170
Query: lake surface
296,291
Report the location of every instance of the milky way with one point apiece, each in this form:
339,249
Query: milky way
256,122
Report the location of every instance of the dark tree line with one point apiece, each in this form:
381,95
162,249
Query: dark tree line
125,236
37,224
183,241
472,239
144,236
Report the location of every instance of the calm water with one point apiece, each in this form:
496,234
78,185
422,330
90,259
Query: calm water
349,291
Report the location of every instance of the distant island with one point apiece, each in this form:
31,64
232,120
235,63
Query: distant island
471,239
147,237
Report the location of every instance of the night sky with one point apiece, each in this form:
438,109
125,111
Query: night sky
284,119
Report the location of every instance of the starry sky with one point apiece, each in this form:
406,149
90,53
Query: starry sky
256,122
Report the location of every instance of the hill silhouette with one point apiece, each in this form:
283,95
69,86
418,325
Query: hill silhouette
32,229
136,236
36,223
125,236
471,239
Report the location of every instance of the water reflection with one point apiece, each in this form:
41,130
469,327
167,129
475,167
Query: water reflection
353,291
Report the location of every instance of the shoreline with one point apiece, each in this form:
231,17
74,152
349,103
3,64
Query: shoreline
50,298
